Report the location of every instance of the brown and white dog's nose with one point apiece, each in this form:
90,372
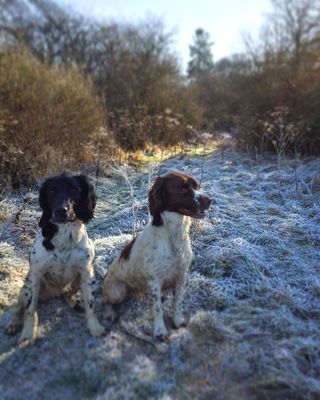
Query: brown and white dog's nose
205,202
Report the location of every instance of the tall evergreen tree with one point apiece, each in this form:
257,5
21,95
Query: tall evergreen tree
201,59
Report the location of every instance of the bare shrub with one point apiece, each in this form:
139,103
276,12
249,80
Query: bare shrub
48,116
139,129
275,130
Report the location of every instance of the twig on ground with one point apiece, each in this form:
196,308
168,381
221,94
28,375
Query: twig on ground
123,171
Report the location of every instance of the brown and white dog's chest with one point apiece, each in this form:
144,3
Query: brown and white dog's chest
161,253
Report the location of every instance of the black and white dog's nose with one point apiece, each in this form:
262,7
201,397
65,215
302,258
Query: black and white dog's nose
61,213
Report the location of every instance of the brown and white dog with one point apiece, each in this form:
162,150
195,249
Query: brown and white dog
61,256
160,256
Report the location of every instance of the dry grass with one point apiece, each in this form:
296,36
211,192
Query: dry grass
253,297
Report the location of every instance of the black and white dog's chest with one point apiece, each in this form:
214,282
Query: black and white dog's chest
72,252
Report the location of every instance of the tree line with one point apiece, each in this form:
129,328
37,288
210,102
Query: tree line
268,97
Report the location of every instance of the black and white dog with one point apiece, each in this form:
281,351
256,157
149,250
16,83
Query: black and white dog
61,256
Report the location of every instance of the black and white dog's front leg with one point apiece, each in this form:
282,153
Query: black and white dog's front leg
87,285
30,316
159,330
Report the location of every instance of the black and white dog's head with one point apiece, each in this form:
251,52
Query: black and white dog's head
64,198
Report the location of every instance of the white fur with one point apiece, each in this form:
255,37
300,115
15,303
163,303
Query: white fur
159,258
51,273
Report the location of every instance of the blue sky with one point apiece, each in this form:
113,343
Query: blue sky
225,20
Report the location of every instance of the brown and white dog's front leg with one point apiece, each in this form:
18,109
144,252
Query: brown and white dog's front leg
178,318
30,316
87,285
159,330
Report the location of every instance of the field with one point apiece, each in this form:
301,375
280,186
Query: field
252,299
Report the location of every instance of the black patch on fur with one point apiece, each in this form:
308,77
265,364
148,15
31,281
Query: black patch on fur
84,208
125,254
29,301
48,231
48,228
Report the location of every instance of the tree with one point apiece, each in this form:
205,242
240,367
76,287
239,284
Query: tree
201,61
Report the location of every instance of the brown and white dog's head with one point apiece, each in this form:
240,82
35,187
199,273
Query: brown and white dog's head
178,193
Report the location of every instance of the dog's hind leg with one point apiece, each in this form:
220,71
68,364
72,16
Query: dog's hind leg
24,299
114,292
71,296
16,321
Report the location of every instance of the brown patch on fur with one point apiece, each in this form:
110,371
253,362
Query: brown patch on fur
125,254
170,284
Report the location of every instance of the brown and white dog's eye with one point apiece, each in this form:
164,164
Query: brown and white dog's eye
184,190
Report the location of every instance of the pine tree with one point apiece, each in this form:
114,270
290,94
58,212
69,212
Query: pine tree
201,61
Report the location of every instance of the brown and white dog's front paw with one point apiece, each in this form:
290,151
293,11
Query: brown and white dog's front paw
160,332
179,321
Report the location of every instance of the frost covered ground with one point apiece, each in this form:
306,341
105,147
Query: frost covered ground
252,300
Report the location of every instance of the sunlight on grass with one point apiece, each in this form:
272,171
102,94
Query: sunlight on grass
157,155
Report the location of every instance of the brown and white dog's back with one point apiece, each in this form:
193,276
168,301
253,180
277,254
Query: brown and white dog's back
160,256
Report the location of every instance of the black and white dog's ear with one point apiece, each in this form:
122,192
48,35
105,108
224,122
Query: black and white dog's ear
156,201
86,204
44,204
48,228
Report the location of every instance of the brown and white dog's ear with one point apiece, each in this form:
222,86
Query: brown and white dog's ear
156,201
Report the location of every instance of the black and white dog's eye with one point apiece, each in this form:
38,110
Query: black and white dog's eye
52,190
185,190
75,190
